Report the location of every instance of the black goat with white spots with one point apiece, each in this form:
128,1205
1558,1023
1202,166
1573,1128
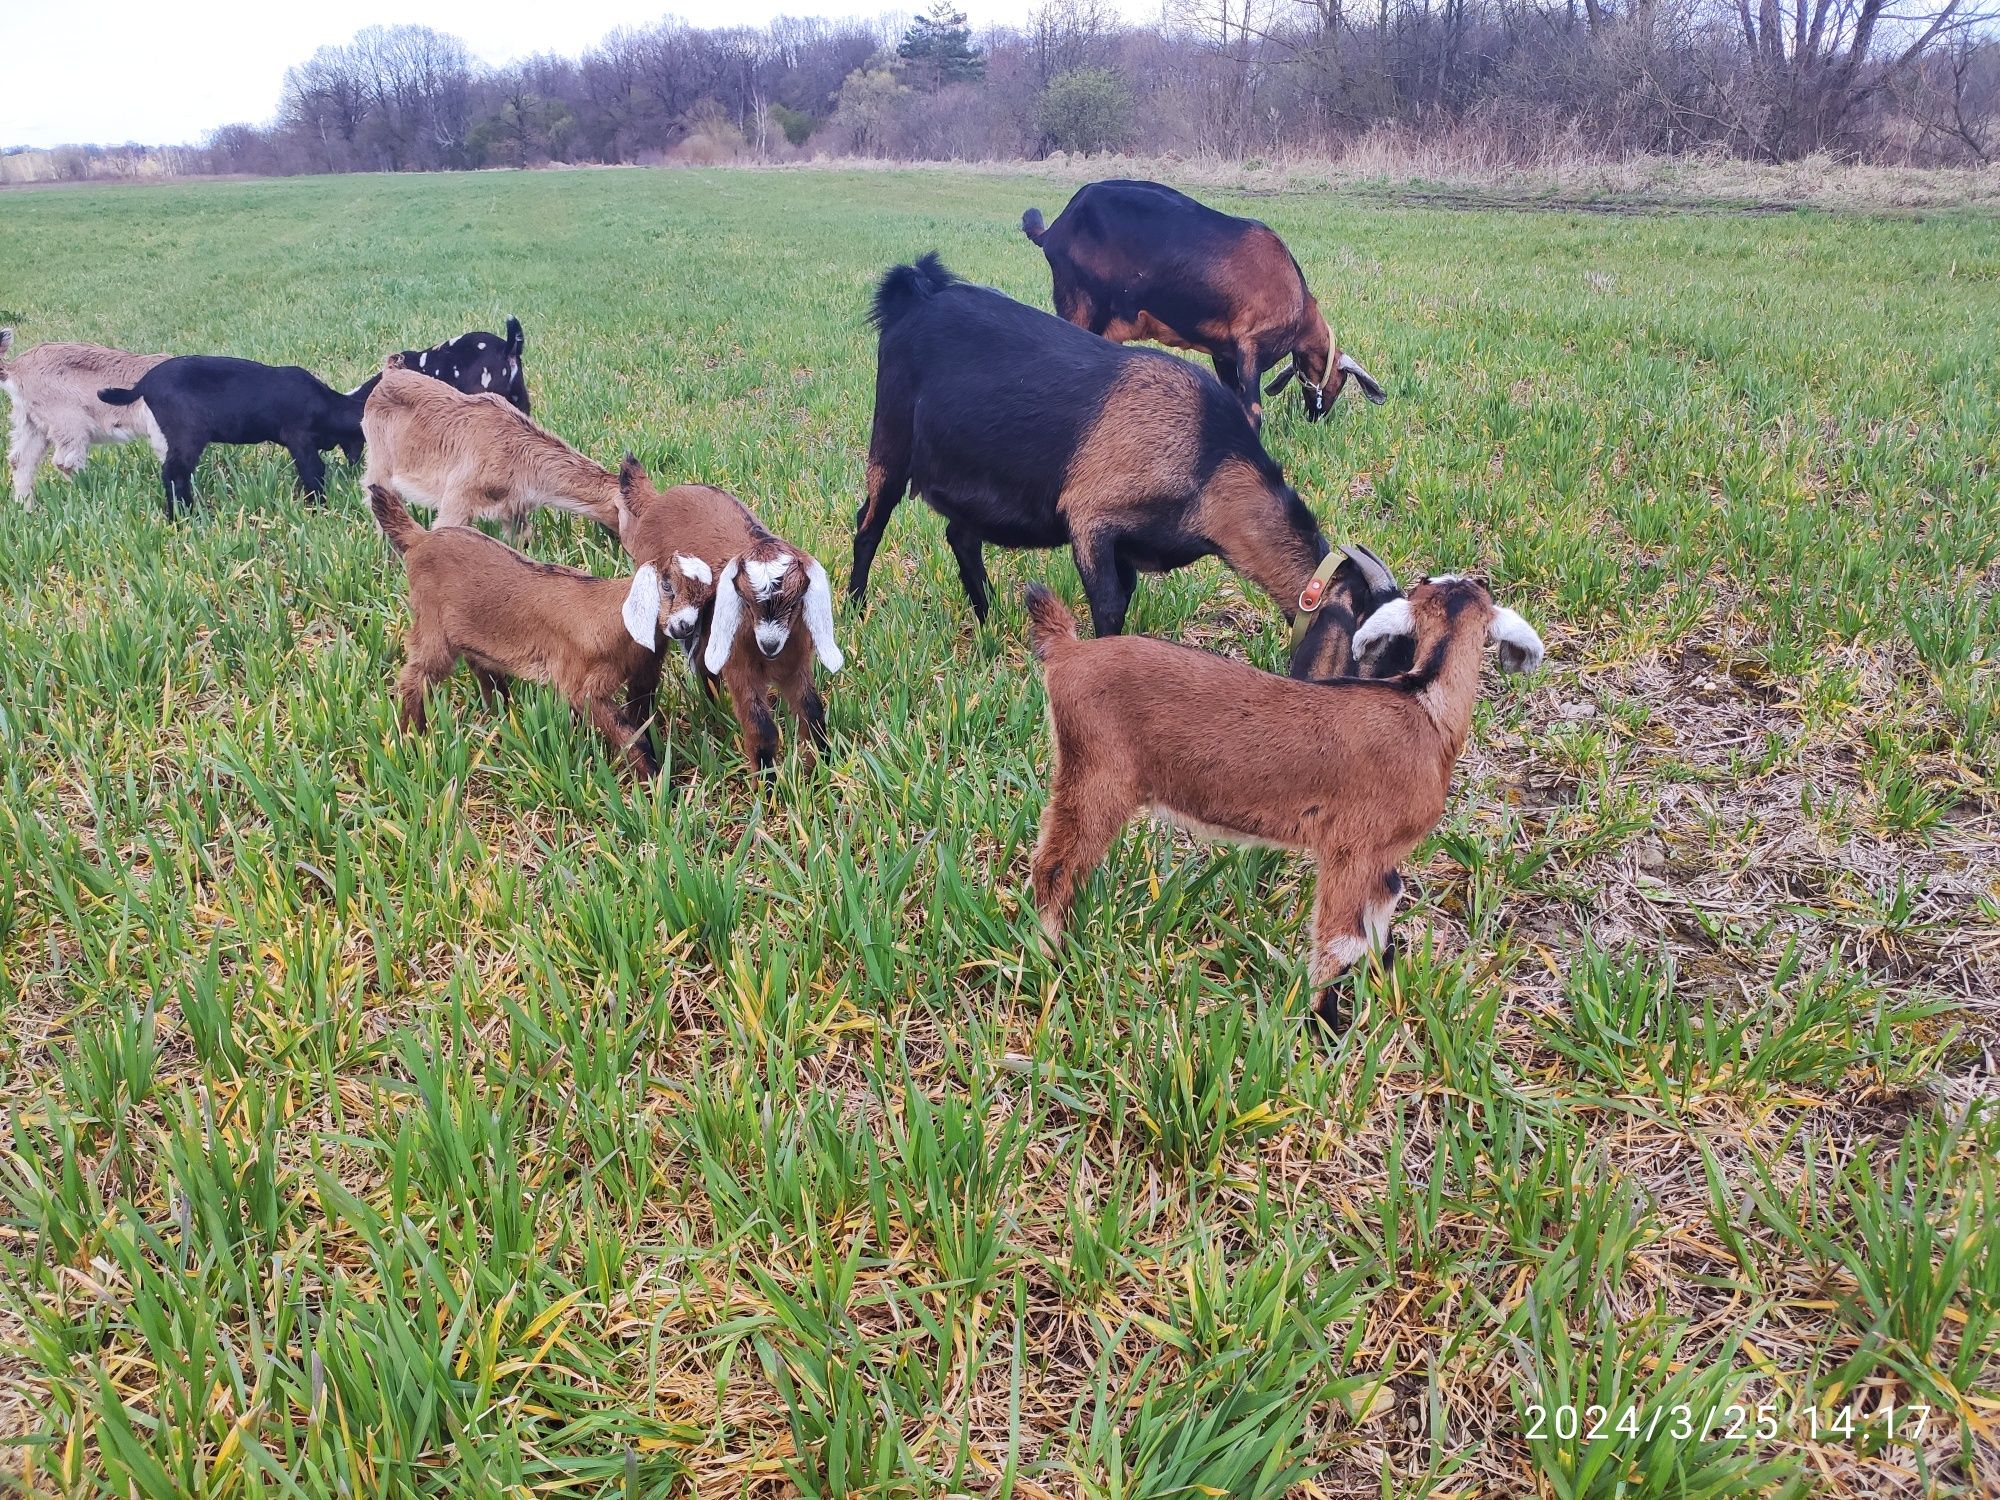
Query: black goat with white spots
475,363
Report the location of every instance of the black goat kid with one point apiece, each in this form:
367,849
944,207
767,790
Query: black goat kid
200,399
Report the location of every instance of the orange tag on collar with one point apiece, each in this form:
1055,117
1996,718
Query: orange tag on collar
1311,595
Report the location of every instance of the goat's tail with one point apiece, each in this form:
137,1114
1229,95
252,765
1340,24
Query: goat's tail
394,517
515,340
118,395
1050,623
1033,225
903,289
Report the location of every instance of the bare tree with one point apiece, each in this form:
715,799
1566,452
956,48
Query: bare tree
325,102
1064,35
1812,65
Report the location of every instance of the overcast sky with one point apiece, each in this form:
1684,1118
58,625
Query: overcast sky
166,73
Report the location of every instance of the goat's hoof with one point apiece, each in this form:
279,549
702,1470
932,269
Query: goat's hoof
1326,1011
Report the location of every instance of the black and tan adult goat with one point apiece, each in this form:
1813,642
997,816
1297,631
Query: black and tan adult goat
1025,431
1140,260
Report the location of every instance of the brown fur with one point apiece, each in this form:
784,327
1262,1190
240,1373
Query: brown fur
1146,443
475,457
1236,510
1248,308
53,388
475,599
1353,772
1270,310
1271,314
661,527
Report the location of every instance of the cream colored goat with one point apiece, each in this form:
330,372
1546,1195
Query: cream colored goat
53,389
475,457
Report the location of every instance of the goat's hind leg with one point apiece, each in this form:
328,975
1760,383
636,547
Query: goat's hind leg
968,548
888,479
1351,912
177,477
1082,818
425,666
494,687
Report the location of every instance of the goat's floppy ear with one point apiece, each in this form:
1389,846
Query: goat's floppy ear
1284,378
1520,647
1392,621
819,616
723,623
1370,386
393,362
642,607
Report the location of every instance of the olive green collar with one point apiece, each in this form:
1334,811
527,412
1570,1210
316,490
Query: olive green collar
1314,594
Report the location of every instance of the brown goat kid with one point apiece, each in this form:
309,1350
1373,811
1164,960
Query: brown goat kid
475,599
1353,771
475,457
735,597
53,390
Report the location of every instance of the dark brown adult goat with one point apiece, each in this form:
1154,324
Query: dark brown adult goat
1139,260
1026,431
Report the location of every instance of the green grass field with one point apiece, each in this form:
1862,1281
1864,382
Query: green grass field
393,1116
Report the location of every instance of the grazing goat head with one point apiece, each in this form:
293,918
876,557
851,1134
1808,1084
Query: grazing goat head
1350,586
1323,374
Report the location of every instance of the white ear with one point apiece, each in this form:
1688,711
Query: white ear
722,625
1392,619
642,607
694,567
1520,647
819,616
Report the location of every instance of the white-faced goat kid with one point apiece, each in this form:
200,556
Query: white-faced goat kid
475,457
750,609
53,391
475,599
1353,771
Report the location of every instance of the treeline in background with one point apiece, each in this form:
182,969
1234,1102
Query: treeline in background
1769,80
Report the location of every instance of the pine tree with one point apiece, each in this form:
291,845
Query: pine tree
937,49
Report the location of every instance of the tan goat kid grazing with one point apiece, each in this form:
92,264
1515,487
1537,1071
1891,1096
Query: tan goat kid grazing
53,389
749,609
475,599
475,457
1353,771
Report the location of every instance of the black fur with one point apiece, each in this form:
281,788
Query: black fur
983,407
476,363
1170,251
200,399
1326,648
